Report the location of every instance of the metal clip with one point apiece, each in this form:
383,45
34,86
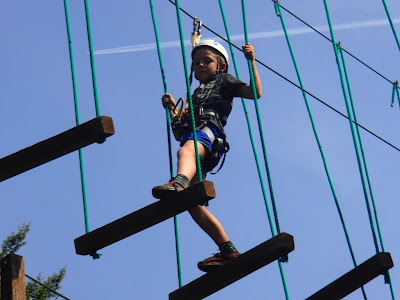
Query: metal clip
196,34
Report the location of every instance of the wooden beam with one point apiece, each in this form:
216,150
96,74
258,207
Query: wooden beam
144,218
96,130
356,278
13,277
236,269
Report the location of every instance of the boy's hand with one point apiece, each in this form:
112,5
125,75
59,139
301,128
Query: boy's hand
168,101
248,51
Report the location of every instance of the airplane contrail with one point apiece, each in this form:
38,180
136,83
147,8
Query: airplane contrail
252,36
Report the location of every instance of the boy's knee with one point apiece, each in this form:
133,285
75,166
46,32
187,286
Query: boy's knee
182,151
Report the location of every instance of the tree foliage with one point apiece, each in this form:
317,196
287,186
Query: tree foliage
15,240
34,291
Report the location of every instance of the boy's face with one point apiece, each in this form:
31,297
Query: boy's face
205,64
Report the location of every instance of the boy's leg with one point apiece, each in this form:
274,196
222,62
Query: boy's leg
209,224
214,229
186,170
187,158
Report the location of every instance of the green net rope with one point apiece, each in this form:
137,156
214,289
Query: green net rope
391,24
252,82
75,94
364,173
168,120
92,65
189,94
395,91
327,172
357,143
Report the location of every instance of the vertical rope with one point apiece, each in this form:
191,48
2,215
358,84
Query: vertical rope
395,91
189,94
168,121
248,121
336,48
74,89
391,24
351,121
337,204
252,82
94,82
258,117
366,173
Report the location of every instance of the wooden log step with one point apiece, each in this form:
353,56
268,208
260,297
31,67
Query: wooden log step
248,262
96,130
356,278
144,218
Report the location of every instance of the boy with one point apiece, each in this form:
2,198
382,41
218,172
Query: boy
212,104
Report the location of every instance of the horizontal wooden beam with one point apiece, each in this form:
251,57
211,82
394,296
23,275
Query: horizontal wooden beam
236,269
96,130
144,218
356,278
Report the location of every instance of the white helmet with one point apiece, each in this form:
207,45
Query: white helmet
215,45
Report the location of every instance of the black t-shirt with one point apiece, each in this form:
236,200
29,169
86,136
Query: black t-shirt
217,94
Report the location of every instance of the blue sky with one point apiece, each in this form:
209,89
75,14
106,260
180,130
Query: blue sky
38,103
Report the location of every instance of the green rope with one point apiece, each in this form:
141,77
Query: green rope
395,91
96,98
336,50
247,118
337,204
251,73
279,14
252,82
83,188
189,94
391,24
168,121
74,89
366,173
354,116
350,119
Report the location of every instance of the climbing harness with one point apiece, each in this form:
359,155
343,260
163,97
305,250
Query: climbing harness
180,124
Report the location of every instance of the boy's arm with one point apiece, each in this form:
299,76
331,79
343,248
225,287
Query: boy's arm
246,91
